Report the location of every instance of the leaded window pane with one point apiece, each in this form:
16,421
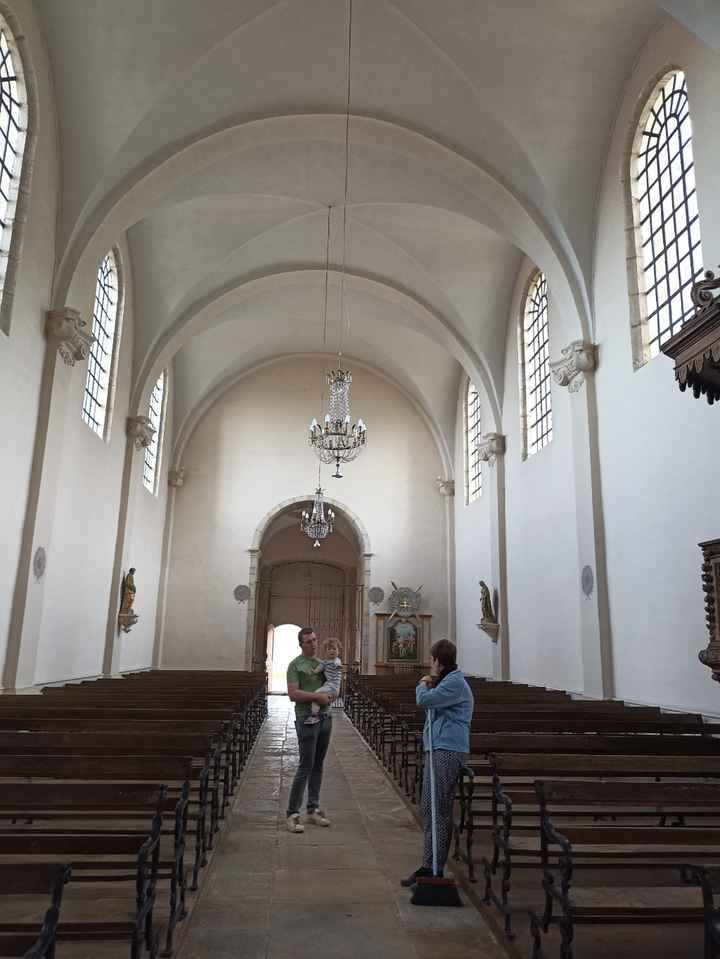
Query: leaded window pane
104,326
473,432
666,211
156,409
536,366
12,139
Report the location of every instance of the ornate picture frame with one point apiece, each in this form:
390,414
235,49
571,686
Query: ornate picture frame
400,640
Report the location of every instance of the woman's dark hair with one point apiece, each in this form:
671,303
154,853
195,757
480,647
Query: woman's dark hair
445,652
305,631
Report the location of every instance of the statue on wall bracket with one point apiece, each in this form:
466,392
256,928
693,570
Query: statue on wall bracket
127,617
488,617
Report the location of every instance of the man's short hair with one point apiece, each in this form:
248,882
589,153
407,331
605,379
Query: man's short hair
305,631
445,652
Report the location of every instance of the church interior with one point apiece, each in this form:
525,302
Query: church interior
398,319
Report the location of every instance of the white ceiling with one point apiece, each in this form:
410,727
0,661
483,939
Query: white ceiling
213,134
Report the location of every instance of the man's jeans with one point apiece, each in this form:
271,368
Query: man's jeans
313,742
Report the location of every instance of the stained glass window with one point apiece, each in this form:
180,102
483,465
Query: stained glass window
13,128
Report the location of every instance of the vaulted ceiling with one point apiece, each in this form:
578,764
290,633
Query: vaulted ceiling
213,133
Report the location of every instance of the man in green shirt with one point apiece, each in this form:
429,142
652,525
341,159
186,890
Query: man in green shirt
313,741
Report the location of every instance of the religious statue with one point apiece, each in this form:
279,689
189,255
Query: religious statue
488,620
127,617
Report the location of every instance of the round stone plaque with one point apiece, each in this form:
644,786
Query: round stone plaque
587,581
376,594
242,593
39,562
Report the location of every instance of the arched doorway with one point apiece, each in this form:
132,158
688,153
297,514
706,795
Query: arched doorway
282,647
296,583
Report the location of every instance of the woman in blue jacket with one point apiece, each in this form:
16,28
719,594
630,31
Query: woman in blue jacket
447,693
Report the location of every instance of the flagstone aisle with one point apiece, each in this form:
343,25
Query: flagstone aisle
330,893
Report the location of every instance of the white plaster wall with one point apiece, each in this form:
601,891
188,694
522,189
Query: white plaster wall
543,573
85,525
659,449
22,350
248,454
472,554
143,550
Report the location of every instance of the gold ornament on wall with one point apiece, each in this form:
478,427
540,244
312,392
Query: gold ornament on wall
127,617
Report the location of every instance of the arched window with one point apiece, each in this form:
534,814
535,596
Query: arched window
473,432
156,415
97,400
665,215
13,130
535,386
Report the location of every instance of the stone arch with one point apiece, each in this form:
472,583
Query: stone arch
201,314
213,394
364,549
129,200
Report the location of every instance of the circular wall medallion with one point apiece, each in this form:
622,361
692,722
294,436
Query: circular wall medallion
242,593
587,580
39,562
376,594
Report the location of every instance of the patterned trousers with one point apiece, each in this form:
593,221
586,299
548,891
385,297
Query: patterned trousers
447,767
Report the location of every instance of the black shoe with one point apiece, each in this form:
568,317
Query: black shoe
413,877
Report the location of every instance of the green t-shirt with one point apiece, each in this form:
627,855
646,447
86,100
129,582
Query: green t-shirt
300,671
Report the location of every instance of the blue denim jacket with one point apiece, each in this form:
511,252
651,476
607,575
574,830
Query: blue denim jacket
452,704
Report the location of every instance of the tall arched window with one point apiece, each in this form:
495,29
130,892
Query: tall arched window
473,432
156,415
665,215
97,400
535,385
13,130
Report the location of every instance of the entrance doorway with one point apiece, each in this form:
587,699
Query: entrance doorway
282,647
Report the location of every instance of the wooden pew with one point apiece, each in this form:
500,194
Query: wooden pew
36,880
640,855
515,810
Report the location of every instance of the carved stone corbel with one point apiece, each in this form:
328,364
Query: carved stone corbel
490,447
176,477
710,656
446,487
69,334
578,358
138,427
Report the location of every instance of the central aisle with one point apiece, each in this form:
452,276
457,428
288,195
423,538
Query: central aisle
330,893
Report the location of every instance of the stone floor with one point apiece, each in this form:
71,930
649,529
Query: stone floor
328,893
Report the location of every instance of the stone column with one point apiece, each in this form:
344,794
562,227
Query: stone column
176,479
69,338
139,435
574,370
492,451
366,666
446,488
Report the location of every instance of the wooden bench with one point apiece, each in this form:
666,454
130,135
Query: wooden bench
121,871
641,856
43,880
514,809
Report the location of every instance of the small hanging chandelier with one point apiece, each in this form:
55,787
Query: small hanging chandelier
317,525
336,440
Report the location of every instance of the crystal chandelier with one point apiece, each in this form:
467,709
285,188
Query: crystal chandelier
317,525
337,440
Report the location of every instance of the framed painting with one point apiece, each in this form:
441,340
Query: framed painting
402,640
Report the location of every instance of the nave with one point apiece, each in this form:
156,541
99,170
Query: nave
331,892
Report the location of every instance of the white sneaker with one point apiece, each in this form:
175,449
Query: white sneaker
318,817
294,824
